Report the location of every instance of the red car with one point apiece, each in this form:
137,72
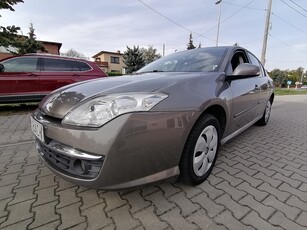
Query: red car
30,77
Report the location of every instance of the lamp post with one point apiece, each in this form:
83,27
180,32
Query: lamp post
302,76
219,21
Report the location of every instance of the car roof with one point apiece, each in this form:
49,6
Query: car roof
46,55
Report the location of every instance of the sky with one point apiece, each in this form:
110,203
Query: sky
95,25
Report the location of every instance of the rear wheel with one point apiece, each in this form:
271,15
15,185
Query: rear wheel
266,114
200,151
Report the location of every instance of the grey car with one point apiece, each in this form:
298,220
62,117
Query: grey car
167,120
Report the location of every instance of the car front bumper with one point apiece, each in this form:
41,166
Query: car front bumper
131,150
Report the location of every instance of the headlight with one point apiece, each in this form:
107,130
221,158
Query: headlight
100,110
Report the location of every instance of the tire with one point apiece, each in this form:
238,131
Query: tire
266,114
200,151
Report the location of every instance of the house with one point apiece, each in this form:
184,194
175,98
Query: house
51,47
110,61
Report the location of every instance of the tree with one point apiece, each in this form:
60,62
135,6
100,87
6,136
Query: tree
279,77
133,59
8,34
150,54
10,39
29,44
190,44
73,53
295,75
8,4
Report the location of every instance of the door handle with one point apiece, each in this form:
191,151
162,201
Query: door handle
32,75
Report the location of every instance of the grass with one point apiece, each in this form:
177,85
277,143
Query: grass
283,91
13,109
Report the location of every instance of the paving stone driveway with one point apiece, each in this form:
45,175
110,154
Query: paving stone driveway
259,182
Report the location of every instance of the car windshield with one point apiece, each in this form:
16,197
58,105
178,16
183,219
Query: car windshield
196,60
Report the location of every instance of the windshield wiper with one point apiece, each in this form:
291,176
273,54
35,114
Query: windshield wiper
156,71
150,71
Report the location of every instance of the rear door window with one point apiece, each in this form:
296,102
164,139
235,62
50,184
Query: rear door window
57,65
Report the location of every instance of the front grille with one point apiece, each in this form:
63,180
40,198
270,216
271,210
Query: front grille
81,168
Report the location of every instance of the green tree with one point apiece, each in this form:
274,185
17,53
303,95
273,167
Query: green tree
73,53
8,34
190,44
150,54
293,75
279,77
29,44
133,59
8,4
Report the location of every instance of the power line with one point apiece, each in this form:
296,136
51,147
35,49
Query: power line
162,15
226,19
283,61
298,5
294,9
198,34
171,20
289,23
250,8
286,44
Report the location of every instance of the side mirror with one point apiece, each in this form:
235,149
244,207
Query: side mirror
1,67
244,70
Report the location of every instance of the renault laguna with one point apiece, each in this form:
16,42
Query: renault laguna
166,120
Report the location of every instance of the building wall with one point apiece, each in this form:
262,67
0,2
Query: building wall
4,55
52,48
112,67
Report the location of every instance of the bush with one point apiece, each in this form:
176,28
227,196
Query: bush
112,74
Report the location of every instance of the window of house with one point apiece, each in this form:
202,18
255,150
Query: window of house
114,60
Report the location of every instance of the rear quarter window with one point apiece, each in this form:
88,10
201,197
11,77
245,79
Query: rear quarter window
83,66
22,64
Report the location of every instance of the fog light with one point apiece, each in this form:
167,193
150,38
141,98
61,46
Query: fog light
81,166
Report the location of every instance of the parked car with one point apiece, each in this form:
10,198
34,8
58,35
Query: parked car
304,87
31,77
166,120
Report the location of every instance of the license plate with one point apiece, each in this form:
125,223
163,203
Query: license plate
37,129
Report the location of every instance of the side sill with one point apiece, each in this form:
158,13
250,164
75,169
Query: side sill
232,135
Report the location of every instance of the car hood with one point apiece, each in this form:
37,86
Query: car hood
61,101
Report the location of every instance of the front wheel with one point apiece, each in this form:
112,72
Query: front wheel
200,151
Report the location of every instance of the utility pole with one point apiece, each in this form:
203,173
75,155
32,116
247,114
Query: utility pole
266,31
218,21
163,50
